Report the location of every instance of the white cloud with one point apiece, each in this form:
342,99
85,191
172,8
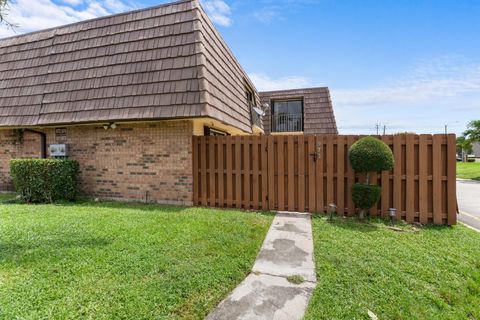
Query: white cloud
41,14
218,11
433,93
266,15
435,79
440,91
279,9
265,83
73,2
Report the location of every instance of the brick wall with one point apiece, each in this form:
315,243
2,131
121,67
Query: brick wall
14,144
134,162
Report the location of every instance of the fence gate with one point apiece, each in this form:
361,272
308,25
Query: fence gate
306,173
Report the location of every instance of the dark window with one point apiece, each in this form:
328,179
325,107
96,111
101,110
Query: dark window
207,131
249,95
287,116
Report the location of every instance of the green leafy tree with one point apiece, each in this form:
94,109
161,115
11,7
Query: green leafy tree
464,147
473,131
368,155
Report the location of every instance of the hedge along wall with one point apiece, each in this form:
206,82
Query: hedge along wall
45,180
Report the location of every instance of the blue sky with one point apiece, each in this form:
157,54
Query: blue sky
409,65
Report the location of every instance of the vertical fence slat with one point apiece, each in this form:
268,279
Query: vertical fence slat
255,178
311,147
350,180
410,183
451,180
437,179
196,179
229,165
330,170
203,161
246,171
271,173
221,173
374,181
291,173
238,174
340,175
211,170
423,178
264,172
385,183
397,174
301,174
319,172
281,173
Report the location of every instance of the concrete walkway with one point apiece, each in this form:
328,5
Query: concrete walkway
266,293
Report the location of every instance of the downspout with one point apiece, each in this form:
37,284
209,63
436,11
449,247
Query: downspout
43,142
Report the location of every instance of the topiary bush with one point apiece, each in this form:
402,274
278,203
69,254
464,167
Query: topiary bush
44,180
368,155
365,196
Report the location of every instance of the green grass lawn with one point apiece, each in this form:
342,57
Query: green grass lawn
431,274
468,170
117,261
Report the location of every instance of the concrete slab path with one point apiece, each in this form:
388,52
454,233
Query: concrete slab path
267,293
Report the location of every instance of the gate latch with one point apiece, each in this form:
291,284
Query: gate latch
315,156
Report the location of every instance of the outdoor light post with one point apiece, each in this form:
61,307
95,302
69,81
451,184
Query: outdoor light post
392,212
332,208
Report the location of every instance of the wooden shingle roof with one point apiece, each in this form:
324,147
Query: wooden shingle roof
157,63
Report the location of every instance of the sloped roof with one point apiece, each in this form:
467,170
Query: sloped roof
156,63
317,104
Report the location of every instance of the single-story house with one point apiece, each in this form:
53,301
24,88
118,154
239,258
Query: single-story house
124,94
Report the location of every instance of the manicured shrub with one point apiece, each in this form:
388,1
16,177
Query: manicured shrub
370,154
365,196
44,180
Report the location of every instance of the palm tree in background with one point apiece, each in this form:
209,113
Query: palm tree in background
464,147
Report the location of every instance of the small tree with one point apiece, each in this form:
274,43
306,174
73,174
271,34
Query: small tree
368,155
473,131
464,147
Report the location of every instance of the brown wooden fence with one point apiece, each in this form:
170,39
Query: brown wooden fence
306,173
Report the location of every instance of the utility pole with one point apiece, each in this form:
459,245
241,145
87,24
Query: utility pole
384,129
377,126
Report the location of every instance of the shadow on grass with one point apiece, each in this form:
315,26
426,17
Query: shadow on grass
374,224
350,223
147,207
9,251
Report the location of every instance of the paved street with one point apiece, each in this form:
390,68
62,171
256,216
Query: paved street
468,195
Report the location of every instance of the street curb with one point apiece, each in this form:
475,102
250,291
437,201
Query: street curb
469,227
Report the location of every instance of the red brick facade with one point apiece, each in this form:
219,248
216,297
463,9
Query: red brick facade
133,162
